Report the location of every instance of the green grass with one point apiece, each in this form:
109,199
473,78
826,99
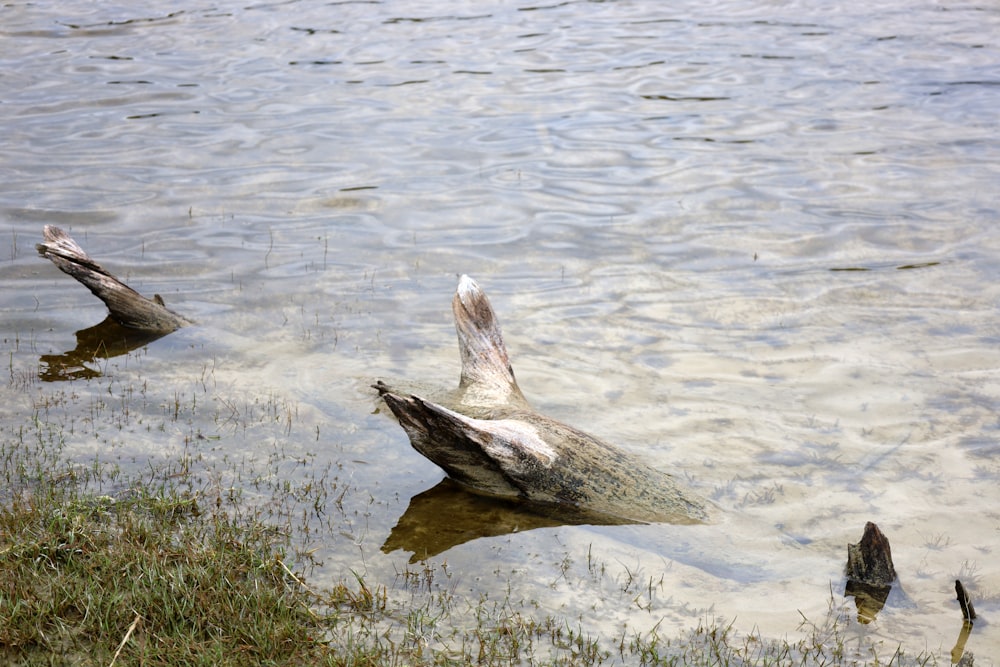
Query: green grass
78,575
171,578
184,564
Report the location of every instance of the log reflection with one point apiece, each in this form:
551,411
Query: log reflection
959,656
102,341
868,599
447,515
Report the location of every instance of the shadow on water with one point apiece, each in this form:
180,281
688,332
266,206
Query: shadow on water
102,341
447,515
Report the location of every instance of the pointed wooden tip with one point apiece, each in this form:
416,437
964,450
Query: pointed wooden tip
468,288
127,307
487,377
870,560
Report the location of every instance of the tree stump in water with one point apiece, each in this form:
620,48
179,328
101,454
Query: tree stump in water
870,560
965,602
870,572
127,307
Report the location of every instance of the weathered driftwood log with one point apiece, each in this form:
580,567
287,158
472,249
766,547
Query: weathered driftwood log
127,307
493,442
870,573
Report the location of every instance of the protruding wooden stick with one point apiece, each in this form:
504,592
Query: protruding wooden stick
128,634
127,307
964,601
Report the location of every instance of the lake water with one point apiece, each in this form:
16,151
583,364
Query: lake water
753,242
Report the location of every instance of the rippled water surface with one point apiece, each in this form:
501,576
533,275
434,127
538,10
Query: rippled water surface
753,242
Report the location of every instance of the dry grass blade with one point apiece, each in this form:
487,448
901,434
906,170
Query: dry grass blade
128,634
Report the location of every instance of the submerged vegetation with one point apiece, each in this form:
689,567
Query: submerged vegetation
201,557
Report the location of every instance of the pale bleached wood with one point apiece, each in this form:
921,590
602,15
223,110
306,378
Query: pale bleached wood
492,441
127,307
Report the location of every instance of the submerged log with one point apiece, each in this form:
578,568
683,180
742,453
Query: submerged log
493,442
127,307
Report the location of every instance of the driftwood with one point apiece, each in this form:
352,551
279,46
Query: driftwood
870,572
870,578
493,442
127,307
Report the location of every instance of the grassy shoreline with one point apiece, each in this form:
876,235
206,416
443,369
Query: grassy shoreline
160,575
182,562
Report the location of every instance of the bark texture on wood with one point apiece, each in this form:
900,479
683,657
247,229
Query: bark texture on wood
870,560
529,456
870,573
127,307
492,441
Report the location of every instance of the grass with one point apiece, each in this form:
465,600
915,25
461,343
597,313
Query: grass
173,578
182,565
154,581
80,574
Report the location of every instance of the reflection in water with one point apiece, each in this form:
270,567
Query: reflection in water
101,341
868,598
958,653
447,515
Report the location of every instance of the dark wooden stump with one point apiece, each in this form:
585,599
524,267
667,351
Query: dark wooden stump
965,602
870,560
870,573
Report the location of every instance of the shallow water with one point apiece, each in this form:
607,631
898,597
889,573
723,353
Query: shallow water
754,243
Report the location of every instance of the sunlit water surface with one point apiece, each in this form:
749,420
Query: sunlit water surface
755,243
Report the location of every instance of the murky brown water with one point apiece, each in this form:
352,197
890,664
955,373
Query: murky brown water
663,203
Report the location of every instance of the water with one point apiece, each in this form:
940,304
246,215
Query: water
755,243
